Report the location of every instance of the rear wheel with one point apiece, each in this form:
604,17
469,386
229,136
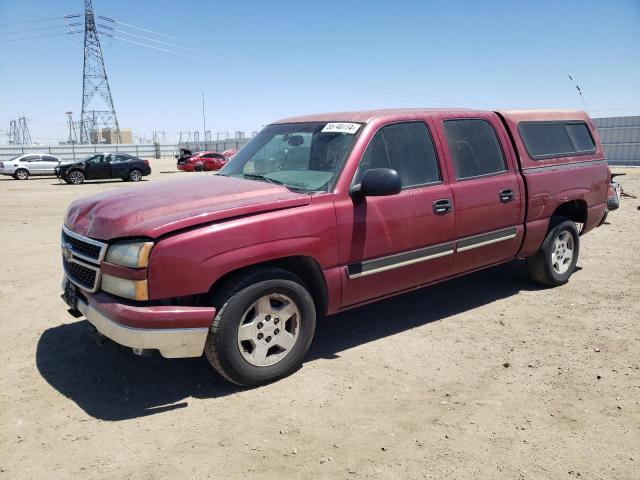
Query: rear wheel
199,167
21,174
556,260
263,327
76,177
135,175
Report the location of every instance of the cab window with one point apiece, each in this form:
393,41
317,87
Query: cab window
474,147
405,147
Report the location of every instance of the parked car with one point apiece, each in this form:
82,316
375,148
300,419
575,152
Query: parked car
202,161
23,166
323,213
105,165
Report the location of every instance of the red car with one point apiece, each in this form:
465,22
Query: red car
203,161
323,213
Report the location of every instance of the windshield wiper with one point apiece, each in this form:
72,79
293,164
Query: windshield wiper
262,177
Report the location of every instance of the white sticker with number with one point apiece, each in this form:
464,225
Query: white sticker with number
342,127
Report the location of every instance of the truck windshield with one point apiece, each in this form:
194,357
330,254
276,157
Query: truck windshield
301,156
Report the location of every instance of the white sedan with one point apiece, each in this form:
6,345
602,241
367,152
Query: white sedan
23,166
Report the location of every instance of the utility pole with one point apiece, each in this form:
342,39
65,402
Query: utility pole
95,84
204,121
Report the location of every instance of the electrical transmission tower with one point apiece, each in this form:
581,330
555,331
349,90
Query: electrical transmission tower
95,85
24,130
73,136
19,132
14,134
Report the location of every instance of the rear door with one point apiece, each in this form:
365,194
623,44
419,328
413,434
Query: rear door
392,243
487,189
120,164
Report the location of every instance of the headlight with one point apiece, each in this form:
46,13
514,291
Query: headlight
123,287
129,254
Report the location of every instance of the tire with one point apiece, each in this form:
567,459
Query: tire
556,260
241,303
21,174
199,167
75,177
135,175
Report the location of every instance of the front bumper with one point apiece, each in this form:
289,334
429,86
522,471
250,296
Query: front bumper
174,331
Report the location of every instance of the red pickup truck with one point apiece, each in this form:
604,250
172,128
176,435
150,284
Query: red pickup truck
323,213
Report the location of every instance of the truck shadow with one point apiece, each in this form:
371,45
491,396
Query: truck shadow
110,383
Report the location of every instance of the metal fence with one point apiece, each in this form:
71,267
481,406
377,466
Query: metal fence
77,152
142,150
620,137
215,146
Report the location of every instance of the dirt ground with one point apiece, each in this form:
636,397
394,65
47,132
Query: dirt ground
482,377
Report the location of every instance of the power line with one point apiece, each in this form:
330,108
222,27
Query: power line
30,21
39,36
164,50
173,45
29,30
157,33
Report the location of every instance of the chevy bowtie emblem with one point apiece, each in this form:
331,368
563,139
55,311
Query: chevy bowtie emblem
67,253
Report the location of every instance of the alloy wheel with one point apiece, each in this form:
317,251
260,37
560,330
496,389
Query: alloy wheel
562,252
269,330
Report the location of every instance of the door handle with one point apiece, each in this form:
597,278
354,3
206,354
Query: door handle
506,195
442,206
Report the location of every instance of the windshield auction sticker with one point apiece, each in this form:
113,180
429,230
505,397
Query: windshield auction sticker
341,127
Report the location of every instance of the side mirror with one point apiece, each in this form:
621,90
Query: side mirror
378,182
177,156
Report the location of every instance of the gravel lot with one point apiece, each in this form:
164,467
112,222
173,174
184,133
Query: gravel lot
486,376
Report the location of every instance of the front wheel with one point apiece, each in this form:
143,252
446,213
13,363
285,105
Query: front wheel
556,260
76,177
263,327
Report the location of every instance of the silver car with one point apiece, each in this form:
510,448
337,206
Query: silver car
23,166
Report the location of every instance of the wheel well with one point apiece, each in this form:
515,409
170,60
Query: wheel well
304,267
575,210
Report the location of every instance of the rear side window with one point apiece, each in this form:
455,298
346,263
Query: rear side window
406,148
475,148
30,158
556,139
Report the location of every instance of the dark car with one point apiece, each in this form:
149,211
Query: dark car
105,165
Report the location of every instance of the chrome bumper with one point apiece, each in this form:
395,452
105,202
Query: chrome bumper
171,343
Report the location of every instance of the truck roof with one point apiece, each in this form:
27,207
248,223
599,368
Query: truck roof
366,116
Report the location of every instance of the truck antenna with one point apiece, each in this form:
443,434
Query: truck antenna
575,84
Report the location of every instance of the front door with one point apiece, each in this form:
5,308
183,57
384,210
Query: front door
98,167
487,190
392,243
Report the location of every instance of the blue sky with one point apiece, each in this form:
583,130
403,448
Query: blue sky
258,61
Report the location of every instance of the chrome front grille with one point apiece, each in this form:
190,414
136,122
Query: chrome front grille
81,257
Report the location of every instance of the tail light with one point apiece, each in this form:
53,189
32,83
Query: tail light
146,162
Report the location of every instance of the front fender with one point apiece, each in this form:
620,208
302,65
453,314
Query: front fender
190,262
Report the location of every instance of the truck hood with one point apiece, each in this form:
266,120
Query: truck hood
157,208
